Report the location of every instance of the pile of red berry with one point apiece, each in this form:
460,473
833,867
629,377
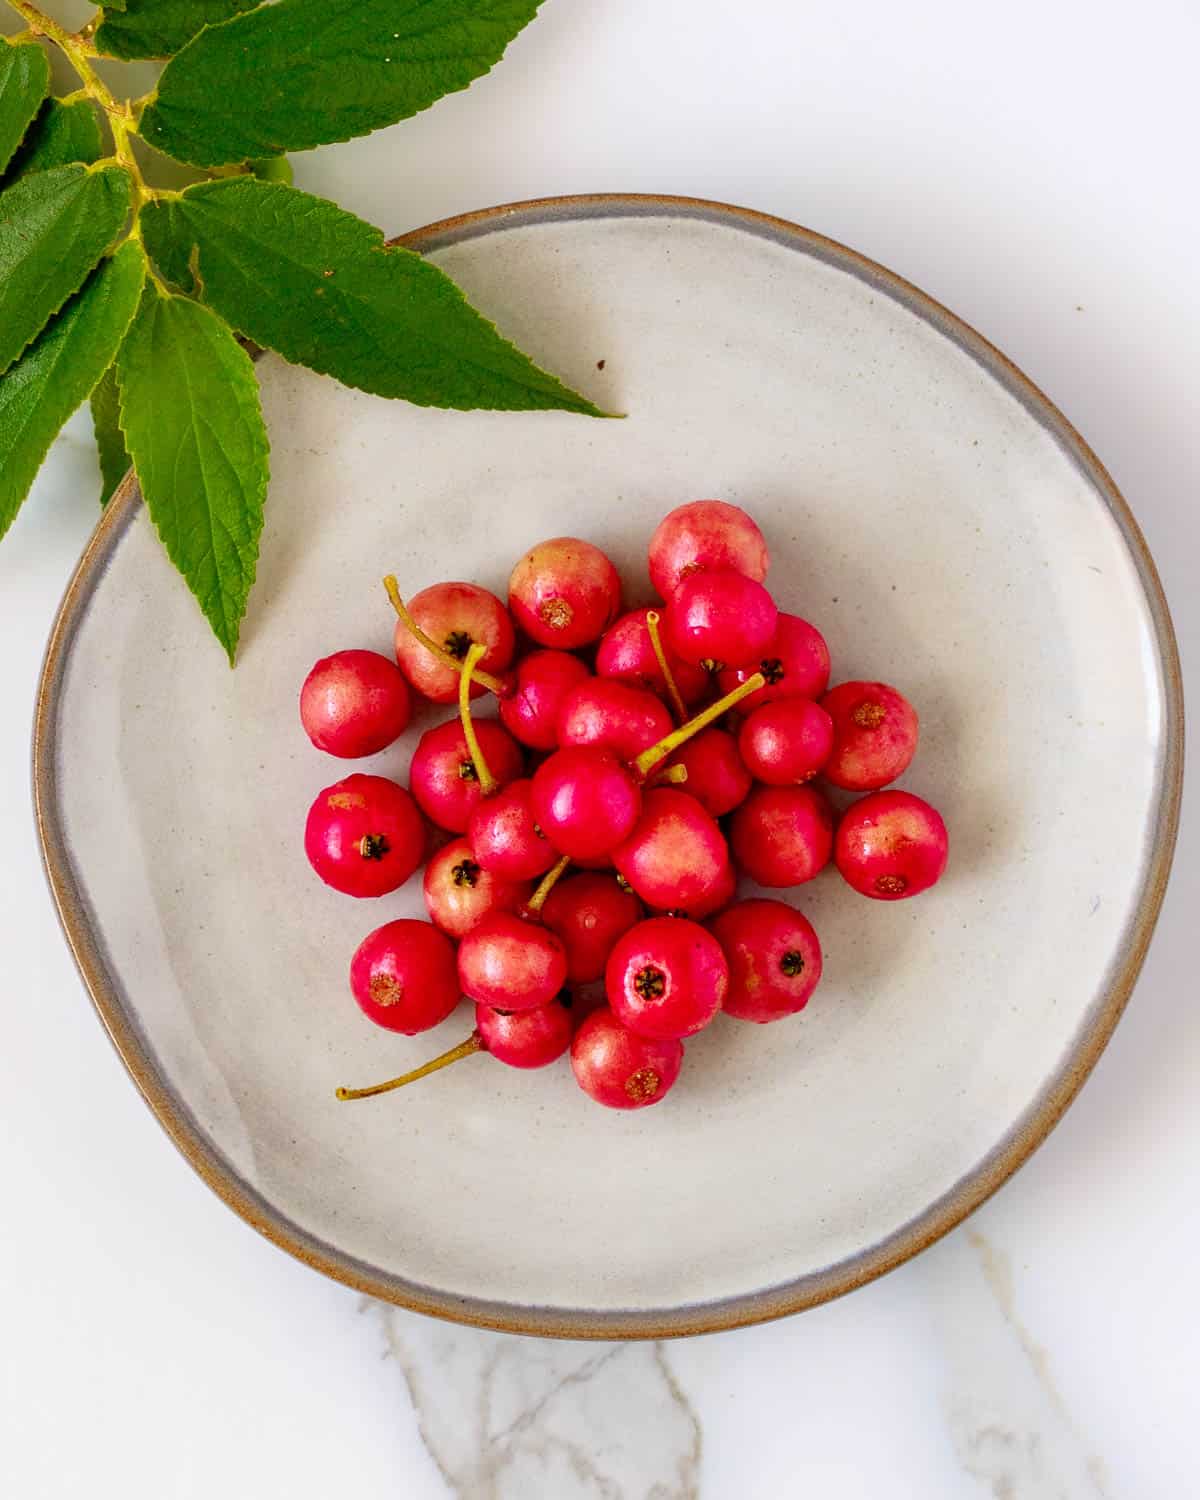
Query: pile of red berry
623,741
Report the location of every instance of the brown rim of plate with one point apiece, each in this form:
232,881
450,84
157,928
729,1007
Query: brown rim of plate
1030,1130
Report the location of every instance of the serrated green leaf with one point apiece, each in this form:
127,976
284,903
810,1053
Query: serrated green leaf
301,276
61,134
193,424
60,368
159,28
306,72
54,227
24,83
115,462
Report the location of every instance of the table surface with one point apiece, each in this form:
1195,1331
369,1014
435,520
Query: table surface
1033,168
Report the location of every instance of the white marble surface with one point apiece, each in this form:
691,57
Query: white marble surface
1032,169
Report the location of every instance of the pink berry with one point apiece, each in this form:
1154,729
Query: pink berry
892,845
543,680
456,616
443,776
511,964
675,854
588,913
364,836
614,715
787,742
782,835
585,801
703,536
404,976
505,837
875,734
719,892
774,959
620,1069
459,892
795,664
525,1038
564,593
720,618
666,978
716,774
354,703
626,654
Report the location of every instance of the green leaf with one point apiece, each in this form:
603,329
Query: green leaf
62,133
24,83
272,169
115,462
306,72
159,28
301,276
54,227
191,417
58,371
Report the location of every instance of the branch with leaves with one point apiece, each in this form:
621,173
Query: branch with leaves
136,295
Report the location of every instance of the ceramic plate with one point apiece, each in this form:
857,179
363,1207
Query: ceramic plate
947,530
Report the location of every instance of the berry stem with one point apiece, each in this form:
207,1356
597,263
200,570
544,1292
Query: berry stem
648,759
488,784
652,621
549,881
493,684
676,774
474,1043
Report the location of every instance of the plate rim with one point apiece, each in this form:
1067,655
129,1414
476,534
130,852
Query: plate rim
937,1219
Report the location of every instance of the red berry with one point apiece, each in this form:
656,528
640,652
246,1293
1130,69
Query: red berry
782,835
505,837
564,593
702,536
719,893
626,654
354,703
443,776
716,774
585,801
774,959
404,976
675,854
525,1038
795,664
456,616
615,715
588,913
666,978
892,845
874,735
543,680
617,1068
788,742
364,836
720,619
459,892
511,964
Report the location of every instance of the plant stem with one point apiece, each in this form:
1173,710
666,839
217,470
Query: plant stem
652,622
493,684
648,759
549,881
488,784
474,1043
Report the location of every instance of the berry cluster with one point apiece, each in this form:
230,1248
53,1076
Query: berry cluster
621,741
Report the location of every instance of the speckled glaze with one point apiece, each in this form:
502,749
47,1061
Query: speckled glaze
947,530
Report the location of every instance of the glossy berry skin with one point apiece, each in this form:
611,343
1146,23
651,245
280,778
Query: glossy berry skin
511,964
774,959
702,536
720,618
354,703
459,892
795,664
443,776
891,845
676,854
717,775
666,978
786,743
585,801
875,733
782,835
619,1069
626,654
616,715
543,680
364,836
525,1038
504,835
564,593
404,976
456,616
588,913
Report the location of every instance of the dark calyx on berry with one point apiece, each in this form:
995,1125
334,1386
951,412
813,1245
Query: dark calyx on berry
711,664
643,1084
466,872
792,963
467,771
373,846
458,643
650,982
772,669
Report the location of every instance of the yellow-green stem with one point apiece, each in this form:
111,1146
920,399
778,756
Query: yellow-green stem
652,623
474,1043
493,684
549,881
488,784
648,759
